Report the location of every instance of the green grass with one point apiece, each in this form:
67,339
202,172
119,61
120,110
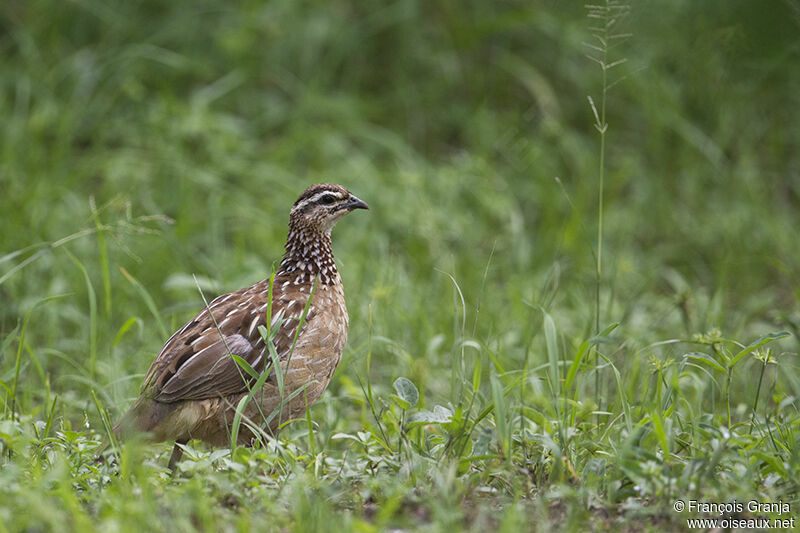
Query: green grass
516,359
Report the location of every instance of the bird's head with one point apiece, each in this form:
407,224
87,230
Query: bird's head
321,206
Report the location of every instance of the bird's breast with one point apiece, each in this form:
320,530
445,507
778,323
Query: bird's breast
320,343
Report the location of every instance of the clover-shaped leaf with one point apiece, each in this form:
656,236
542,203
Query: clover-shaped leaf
407,394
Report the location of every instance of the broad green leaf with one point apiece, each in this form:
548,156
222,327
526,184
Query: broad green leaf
340,436
406,391
401,403
439,415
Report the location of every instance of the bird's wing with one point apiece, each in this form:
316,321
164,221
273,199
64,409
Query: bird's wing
195,363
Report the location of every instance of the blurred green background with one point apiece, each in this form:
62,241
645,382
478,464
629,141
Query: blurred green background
184,130
452,119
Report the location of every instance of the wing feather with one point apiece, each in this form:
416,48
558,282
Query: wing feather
195,363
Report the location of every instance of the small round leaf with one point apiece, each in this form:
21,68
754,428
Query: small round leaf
407,391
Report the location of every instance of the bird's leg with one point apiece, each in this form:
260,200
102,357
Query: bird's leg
177,453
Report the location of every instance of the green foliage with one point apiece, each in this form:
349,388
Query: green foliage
148,149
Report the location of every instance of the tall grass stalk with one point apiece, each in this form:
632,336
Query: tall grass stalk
605,17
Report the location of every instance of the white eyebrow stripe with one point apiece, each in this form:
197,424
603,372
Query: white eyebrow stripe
339,195
320,194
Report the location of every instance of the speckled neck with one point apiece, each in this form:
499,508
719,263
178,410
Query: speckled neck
308,254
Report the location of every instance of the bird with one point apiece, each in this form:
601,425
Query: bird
195,384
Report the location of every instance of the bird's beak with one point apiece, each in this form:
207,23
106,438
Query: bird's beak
356,203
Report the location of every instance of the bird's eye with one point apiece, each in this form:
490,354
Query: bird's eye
327,199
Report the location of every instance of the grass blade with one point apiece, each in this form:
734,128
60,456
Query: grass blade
551,341
92,315
148,300
757,344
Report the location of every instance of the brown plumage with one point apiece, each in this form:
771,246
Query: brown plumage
193,387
